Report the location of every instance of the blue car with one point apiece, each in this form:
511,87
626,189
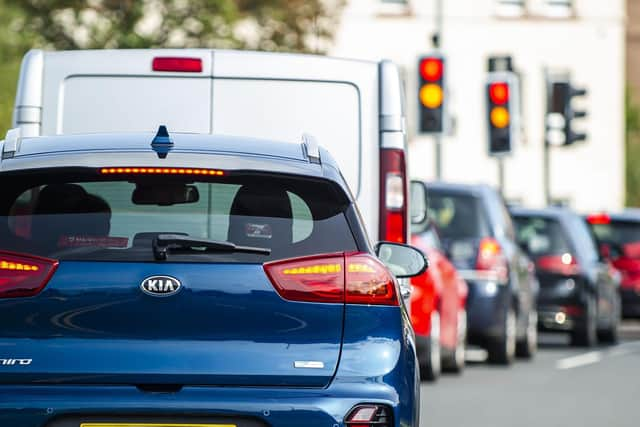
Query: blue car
195,281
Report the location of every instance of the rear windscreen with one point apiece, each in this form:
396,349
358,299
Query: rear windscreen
62,216
618,232
458,216
542,236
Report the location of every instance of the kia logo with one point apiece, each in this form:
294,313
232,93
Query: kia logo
160,286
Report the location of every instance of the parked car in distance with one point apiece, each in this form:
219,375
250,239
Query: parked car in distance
354,107
195,279
618,235
479,239
578,289
438,301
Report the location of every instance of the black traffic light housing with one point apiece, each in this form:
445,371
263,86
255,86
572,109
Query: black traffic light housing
431,94
560,113
502,100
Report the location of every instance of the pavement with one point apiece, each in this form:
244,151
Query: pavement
562,386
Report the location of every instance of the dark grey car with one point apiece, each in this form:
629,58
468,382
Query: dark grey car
578,288
479,238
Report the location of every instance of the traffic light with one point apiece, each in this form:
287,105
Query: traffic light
431,94
560,113
502,107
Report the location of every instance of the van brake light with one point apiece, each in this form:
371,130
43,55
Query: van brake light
177,64
24,275
393,196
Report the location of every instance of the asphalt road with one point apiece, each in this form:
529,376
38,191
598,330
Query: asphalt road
561,387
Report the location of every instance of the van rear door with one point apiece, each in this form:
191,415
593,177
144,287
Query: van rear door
335,100
119,91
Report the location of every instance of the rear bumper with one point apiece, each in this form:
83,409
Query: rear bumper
377,365
486,310
630,302
67,406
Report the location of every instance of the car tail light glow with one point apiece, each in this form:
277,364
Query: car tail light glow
160,171
24,275
393,200
369,416
491,258
324,278
599,219
565,264
177,64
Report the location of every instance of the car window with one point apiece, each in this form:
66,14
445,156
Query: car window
542,236
458,216
117,219
617,232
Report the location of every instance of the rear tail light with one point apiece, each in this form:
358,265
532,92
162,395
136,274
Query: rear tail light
492,259
599,219
177,64
369,416
565,264
334,278
24,275
393,199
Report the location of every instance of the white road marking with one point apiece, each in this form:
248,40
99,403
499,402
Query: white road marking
581,360
592,357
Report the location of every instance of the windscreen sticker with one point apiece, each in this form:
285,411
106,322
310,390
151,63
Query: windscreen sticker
92,241
259,231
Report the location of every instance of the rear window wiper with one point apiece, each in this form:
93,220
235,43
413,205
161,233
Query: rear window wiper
164,243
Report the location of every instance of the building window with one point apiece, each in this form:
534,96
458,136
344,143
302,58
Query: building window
559,8
535,8
394,7
510,8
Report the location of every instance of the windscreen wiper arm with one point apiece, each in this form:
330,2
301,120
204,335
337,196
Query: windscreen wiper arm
163,243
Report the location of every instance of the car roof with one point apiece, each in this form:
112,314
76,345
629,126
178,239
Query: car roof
548,212
188,150
631,214
472,189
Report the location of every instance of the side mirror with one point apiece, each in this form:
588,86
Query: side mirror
403,260
418,203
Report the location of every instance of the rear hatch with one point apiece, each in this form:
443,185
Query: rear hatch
549,245
121,308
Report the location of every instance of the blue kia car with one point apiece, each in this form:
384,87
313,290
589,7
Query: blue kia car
195,281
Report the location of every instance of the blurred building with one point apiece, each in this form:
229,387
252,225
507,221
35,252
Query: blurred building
585,38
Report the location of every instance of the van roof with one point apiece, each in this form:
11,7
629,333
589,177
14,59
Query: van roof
188,150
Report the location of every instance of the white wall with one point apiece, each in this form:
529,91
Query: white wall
590,46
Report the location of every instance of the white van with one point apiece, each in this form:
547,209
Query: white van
353,108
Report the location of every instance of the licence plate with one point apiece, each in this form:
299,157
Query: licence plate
153,425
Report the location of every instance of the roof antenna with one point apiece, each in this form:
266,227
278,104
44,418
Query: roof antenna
162,142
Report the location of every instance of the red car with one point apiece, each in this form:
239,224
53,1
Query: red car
619,238
438,308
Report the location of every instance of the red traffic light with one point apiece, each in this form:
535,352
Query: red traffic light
499,93
431,69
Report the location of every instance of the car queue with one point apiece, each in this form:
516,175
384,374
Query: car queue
240,268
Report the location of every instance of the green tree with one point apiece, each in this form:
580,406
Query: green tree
290,25
632,151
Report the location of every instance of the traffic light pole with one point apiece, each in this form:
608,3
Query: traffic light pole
437,39
546,167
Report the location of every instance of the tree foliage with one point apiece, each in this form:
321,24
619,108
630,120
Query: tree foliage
289,25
